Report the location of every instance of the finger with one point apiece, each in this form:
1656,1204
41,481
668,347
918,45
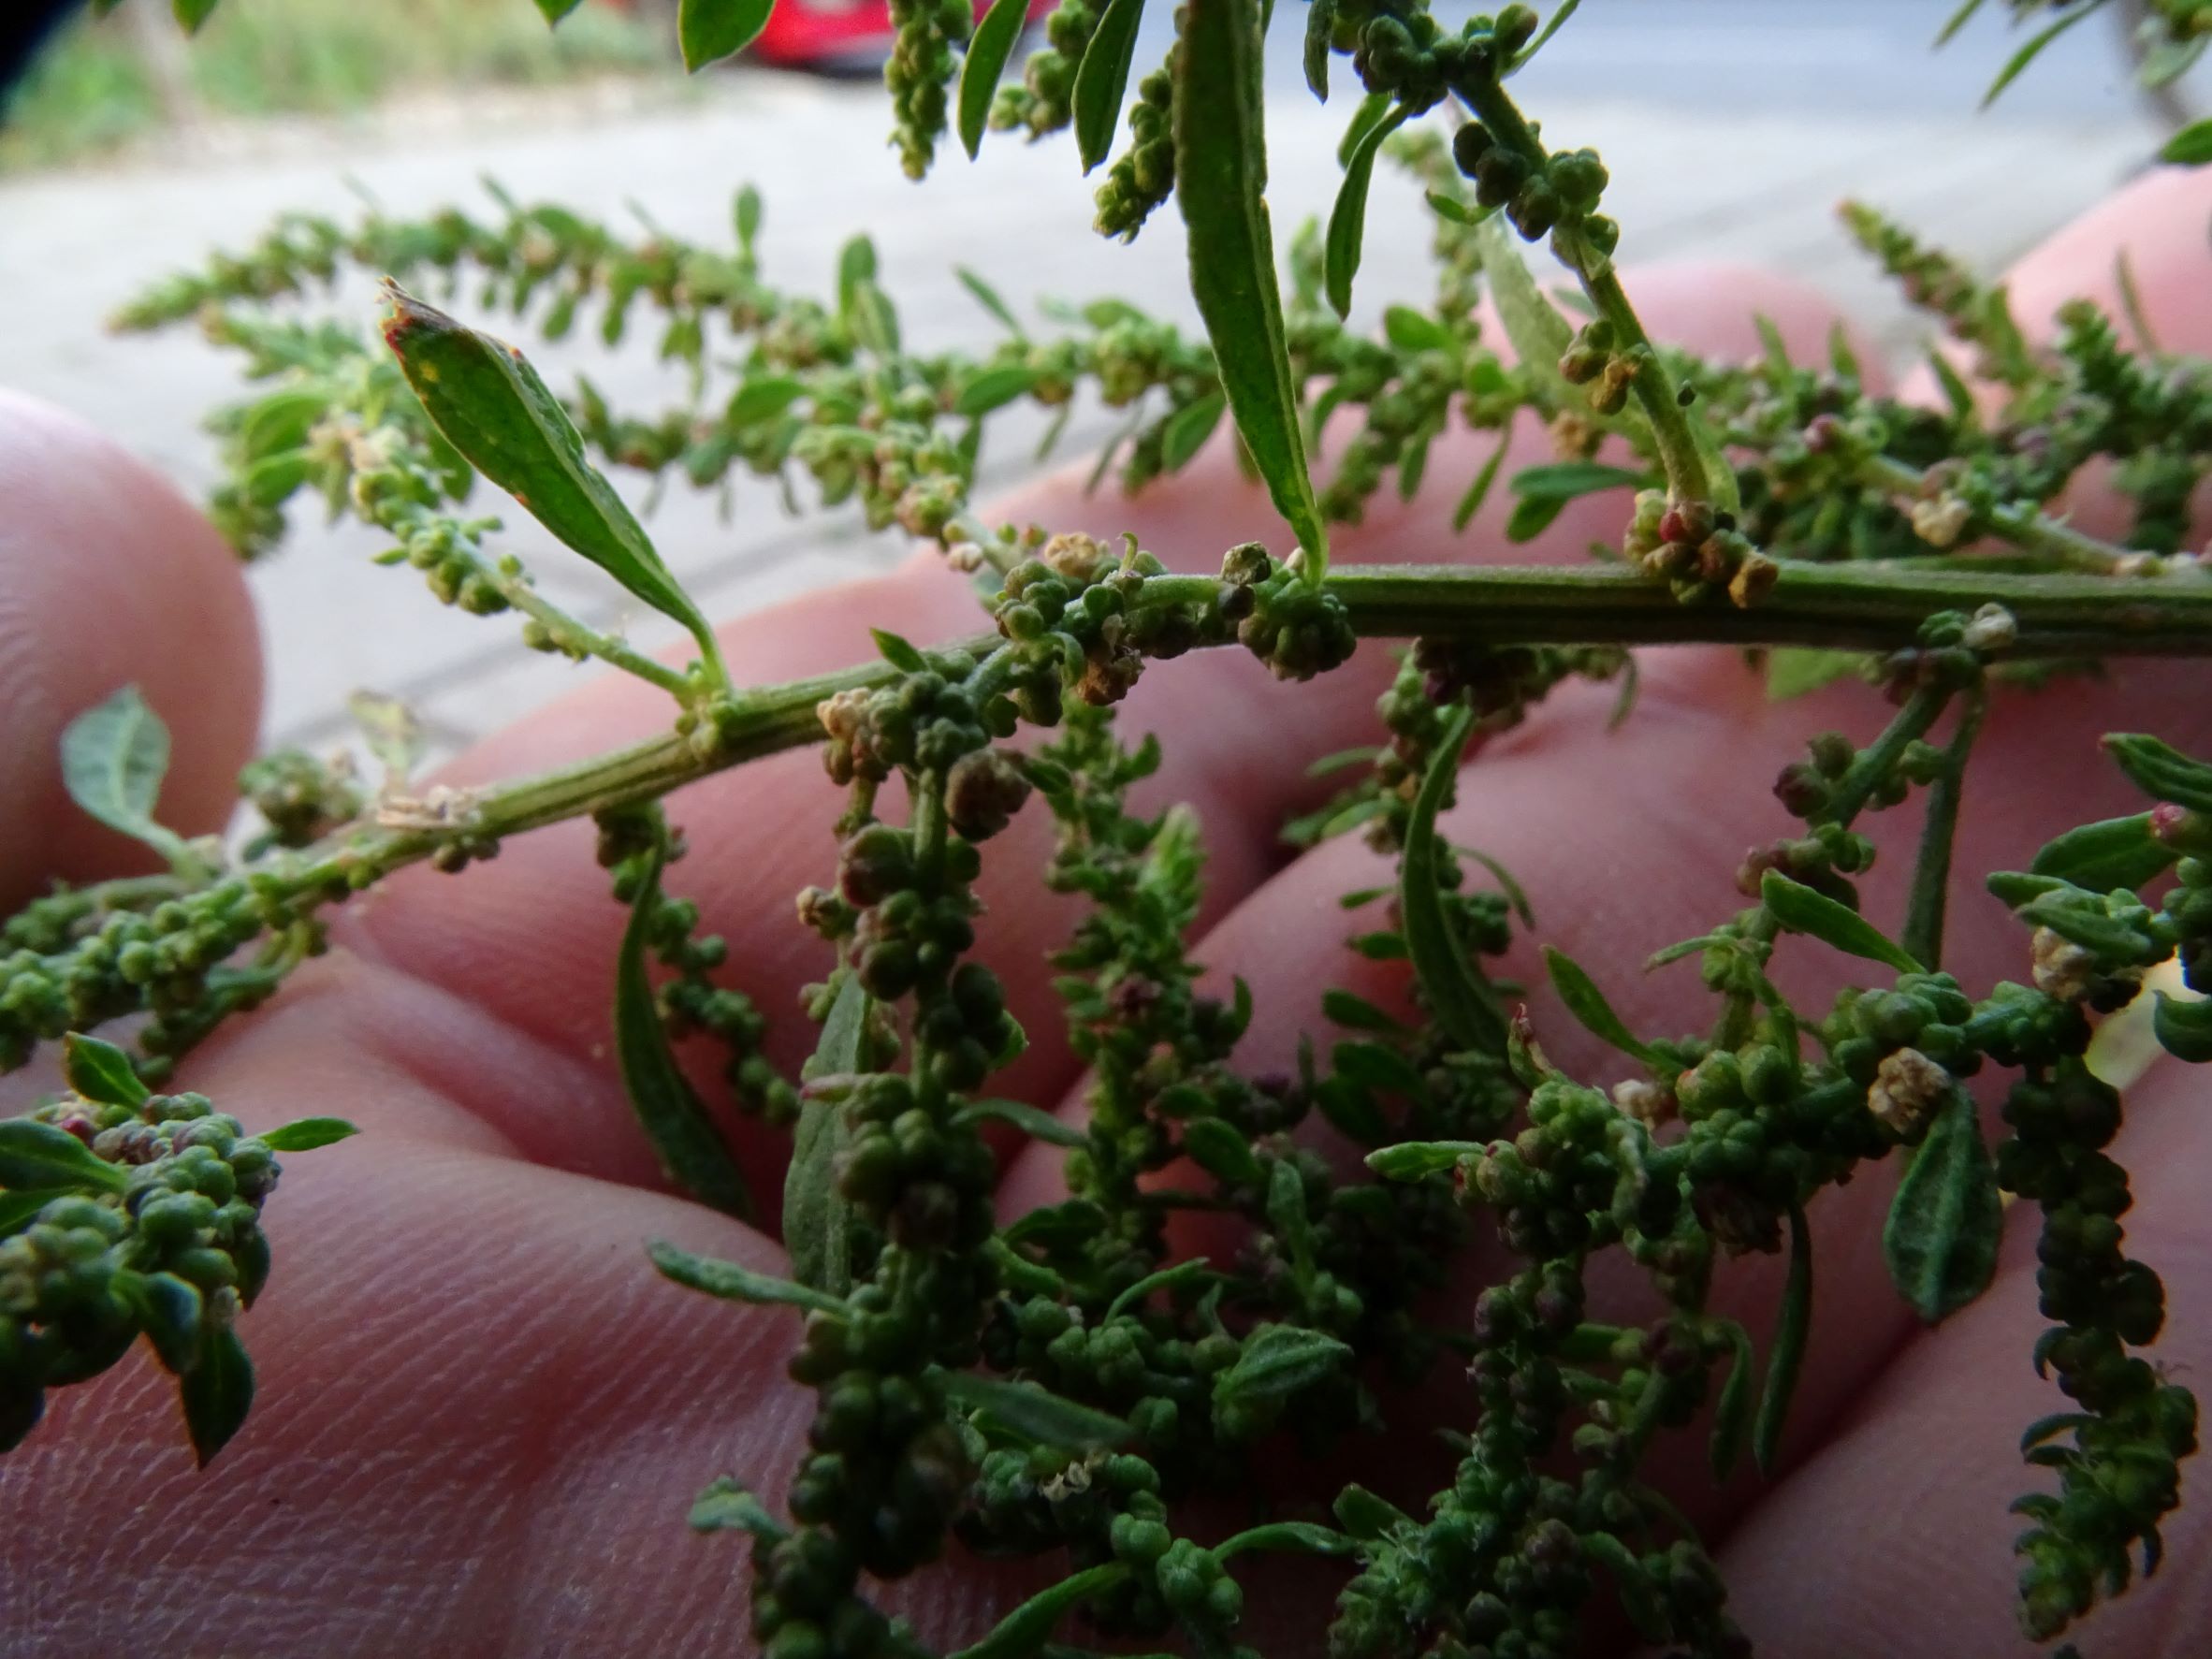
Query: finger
107,578
1234,740
1894,1539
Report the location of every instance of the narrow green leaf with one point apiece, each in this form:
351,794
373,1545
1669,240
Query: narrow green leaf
491,403
1413,461
1320,29
1799,910
2184,1029
1187,430
2030,52
1786,1358
1564,481
1460,1001
2191,147
100,1071
1221,1150
1102,78
1365,1515
114,757
988,297
1957,393
1946,1218
2162,772
745,214
1030,1626
1538,334
668,1109
1288,1538
987,51
1640,1597
1588,1004
18,1209
726,1506
1356,1013
304,1134
1168,1278
994,388
39,1155
1479,492
1222,183
1731,1416
1841,358
556,9
1957,22
1347,219
898,652
1411,1160
2114,852
1033,1121
1037,1415
817,1220
1560,14
1278,1361
763,396
1412,330
712,30
1794,671
1777,350
192,13
733,1282
216,1393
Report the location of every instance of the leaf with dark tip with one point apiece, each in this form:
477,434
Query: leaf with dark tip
1221,184
987,51
1461,1003
1347,219
216,1393
556,9
1102,78
1786,1358
1948,1217
102,1072
1035,1414
669,1109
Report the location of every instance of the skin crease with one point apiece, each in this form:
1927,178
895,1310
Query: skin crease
482,1416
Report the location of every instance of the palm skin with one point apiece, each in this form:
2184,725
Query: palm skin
482,1413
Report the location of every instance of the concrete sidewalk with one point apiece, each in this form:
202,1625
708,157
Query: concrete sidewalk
1752,187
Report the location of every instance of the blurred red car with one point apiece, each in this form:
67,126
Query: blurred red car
839,34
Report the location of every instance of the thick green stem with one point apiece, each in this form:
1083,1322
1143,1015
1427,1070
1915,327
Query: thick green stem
1923,935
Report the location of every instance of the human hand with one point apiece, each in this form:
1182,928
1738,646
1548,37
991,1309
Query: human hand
482,1413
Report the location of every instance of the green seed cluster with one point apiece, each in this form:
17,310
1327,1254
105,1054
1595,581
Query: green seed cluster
922,64
301,798
1044,103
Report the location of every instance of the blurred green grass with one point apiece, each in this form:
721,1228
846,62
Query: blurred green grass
94,91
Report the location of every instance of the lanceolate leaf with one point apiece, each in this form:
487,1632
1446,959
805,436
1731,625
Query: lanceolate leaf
2028,54
216,1393
304,1134
988,297
1792,671
1800,910
1030,1626
1787,1356
1278,1361
101,1071
817,1220
1187,430
1102,78
987,53
113,759
2116,853
1588,1004
2162,772
667,1107
488,399
1320,27
733,1282
37,1155
1222,183
1347,219
1033,1121
1461,1002
1948,1217
1291,1537
1538,334
711,30
1036,1413
2191,147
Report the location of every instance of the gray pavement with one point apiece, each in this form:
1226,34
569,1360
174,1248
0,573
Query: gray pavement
1702,168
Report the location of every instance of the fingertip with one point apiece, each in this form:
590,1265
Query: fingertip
110,577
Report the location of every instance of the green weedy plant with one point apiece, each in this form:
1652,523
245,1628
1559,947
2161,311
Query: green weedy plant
1064,1383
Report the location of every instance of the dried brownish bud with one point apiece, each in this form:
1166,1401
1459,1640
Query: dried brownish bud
2062,969
1908,1086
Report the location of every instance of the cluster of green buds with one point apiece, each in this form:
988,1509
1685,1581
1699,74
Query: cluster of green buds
1698,550
1044,103
126,1213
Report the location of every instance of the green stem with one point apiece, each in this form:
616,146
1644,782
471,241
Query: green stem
570,634
1923,936
1878,760
2018,523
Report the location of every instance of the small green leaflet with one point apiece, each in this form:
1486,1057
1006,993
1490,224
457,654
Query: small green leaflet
1800,910
1185,431
1027,1629
1588,1004
192,13
2191,147
711,30
1220,1149
1538,334
733,1282
745,218
1793,671
2028,54
987,51
988,297
1410,1160
1320,30
488,399
1102,78
2184,1029
38,1156
763,396
1292,1538
994,388
898,651
216,1393
173,1314
113,760
2162,772
1460,1001
675,1120
304,1134
1036,1413
1347,219
1222,183
1948,1217
1365,1516
1169,1278
1787,1356
2114,852
100,1071
1479,492
1957,22
726,1506
1278,1361
1033,1121
817,1220
556,9
18,1210
1411,331
1544,491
